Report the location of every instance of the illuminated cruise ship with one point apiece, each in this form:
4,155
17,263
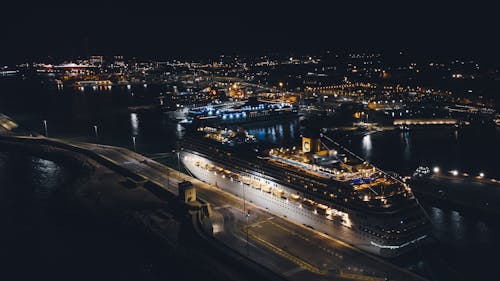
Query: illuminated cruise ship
252,110
329,190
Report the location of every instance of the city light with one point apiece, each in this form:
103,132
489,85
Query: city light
435,170
454,172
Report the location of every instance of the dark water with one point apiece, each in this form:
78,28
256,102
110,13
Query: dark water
470,149
466,244
40,240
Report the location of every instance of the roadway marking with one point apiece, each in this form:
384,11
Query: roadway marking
287,255
360,277
221,207
290,231
244,240
260,222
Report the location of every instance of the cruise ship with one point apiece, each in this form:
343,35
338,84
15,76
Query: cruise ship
251,111
329,190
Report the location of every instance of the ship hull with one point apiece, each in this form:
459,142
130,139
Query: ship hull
332,226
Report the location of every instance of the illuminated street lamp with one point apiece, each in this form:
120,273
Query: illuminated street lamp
178,162
454,172
481,175
435,170
247,214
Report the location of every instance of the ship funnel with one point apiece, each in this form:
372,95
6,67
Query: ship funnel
311,145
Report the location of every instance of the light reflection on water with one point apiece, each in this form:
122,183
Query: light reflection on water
405,137
469,150
134,123
366,144
284,133
437,215
456,224
46,176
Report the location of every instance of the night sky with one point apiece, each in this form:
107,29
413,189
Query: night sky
253,27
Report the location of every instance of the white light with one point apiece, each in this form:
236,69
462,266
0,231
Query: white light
134,123
481,175
436,170
454,172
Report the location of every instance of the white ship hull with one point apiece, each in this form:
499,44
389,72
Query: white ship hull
341,228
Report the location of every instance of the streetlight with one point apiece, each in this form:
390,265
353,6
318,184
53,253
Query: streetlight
178,162
133,141
46,131
247,214
435,170
481,175
96,135
280,84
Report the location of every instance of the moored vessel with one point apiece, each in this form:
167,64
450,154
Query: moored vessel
324,188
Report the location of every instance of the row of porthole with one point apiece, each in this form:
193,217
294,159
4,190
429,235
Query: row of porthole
297,211
252,177
314,217
300,212
311,216
286,206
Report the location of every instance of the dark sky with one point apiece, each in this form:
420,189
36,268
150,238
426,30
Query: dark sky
191,28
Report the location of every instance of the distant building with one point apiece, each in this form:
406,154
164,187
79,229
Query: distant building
96,60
